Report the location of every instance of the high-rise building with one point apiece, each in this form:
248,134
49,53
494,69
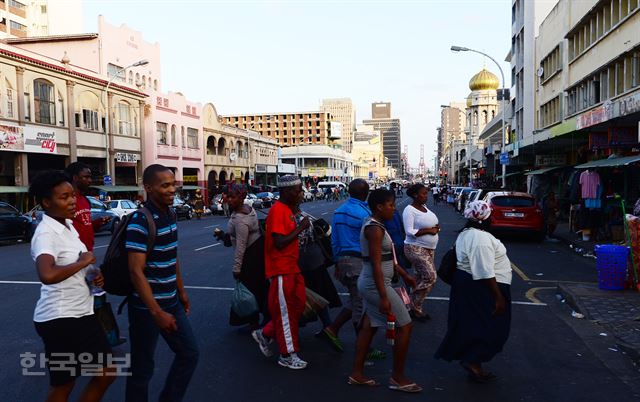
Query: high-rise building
21,19
389,129
292,129
342,111
381,110
526,17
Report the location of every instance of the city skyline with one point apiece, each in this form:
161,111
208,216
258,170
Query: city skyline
243,71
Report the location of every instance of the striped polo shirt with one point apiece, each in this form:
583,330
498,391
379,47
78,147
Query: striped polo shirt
160,269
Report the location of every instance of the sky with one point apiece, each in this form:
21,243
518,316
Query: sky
265,56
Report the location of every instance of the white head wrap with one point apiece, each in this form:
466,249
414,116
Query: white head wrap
477,211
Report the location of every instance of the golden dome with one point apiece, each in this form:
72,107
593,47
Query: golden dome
483,81
469,101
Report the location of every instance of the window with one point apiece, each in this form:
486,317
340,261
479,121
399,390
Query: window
161,130
173,135
90,119
17,4
116,71
43,9
10,103
124,119
551,64
192,138
130,77
27,106
184,143
550,112
44,102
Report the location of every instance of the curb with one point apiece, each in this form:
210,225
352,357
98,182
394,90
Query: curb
572,301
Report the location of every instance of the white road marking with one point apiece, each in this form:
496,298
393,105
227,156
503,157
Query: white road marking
105,246
205,247
522,303
324,213
212,226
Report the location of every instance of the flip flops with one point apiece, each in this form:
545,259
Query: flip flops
412,388
333,340
368,383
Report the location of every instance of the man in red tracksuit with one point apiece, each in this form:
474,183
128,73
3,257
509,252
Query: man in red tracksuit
287,295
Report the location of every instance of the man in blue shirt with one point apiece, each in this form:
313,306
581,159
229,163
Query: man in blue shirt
345,242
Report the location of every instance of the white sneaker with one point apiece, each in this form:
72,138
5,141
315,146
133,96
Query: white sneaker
263,342
292,362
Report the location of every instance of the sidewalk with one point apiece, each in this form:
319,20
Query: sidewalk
618,312
574,241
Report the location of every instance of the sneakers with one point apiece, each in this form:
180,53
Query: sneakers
292,362
263,342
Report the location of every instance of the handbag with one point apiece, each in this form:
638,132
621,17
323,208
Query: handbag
404,295
448,265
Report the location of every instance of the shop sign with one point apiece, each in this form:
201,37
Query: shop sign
261,169
272,169
11,138
629,104
595,116
551,160
127,157
288,168
320,172
190,179
238,173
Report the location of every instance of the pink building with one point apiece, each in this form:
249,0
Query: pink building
172,128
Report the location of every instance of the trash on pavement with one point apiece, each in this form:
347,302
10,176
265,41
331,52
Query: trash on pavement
613,350
539,274
603,334
575,314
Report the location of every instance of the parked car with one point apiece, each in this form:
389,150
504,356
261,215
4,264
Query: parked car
253,201
515,212
473,195
267,199
13,225
461,199
122,207
182,209
101,210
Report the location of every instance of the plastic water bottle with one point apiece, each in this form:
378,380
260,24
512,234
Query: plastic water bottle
91,275
391,330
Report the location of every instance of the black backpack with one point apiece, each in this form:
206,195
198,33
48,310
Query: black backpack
115,266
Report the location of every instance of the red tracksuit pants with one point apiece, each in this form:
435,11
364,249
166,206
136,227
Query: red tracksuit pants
287,298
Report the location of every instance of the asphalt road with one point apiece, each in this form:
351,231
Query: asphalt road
550,356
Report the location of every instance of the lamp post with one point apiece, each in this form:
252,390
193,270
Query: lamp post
107,120
503,101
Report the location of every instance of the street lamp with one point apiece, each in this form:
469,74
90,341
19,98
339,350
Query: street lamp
503,100
139,63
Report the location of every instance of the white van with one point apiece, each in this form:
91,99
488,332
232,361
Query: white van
323,185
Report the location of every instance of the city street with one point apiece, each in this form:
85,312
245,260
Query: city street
550,355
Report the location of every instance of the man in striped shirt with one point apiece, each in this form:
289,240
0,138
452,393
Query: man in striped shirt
159,303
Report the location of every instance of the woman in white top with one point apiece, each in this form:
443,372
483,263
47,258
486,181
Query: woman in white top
64,316
421,226
480,301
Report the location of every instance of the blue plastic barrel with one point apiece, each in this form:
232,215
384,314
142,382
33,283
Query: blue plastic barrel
611,262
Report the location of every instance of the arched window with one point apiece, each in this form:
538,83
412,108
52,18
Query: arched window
493,114
144,81
138,79
484,116
44,102
239,149
246,150
130,77
155,85
475,118
211,145
88,111
184,142
173,135
221,145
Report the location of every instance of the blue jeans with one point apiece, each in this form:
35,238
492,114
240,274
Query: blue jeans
143,333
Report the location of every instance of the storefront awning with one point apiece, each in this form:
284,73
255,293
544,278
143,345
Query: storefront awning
624,161
118,189
192,188
510,174
543,170
13,189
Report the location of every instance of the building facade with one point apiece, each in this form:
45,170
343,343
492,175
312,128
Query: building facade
53,113
390,130
235,154
291,129
316,163
19,19
342,111
451,134
367,152
381,110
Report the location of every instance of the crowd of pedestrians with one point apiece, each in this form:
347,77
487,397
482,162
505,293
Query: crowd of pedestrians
383,257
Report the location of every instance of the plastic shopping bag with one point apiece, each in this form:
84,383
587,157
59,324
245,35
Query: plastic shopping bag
243,302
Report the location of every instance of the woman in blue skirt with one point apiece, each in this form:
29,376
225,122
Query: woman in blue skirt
480,301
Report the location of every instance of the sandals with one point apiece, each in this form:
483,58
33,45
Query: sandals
412,388
367,383
376,354
333,340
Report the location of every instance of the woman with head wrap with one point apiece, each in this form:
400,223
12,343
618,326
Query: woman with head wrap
480,300
248,262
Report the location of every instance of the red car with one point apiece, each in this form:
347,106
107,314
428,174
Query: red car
515,211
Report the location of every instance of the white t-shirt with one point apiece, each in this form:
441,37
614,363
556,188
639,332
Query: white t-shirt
70,298
414,220
483,256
